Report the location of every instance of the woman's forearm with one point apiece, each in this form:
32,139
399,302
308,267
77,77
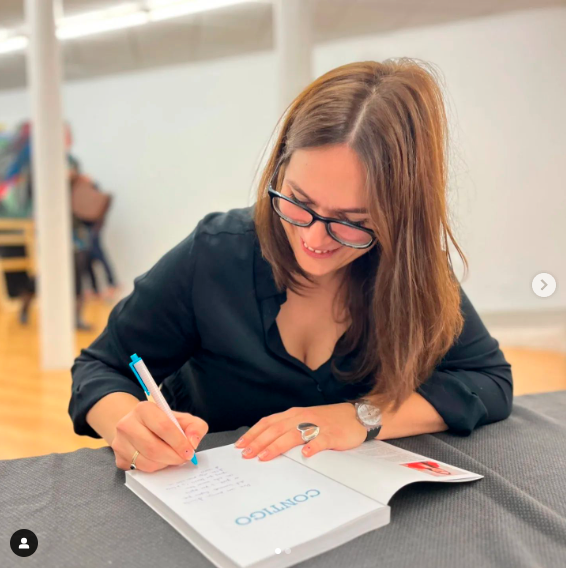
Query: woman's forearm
108,411
415,416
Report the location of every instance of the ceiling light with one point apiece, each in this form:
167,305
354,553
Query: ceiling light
164,10
100,25
15,43
123,15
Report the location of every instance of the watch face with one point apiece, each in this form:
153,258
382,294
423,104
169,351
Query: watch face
369,414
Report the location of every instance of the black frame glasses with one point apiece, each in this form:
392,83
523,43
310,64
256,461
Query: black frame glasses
316,217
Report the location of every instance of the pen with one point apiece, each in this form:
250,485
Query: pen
153,393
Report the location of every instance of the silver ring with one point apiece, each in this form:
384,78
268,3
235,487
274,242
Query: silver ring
308,431
133,464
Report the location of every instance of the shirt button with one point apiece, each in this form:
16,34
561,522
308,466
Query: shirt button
318,388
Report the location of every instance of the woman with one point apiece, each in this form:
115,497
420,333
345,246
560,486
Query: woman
249,322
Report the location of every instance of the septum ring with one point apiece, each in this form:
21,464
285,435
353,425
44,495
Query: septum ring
133,464
308,431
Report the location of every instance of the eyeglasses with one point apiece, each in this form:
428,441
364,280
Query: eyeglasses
345,232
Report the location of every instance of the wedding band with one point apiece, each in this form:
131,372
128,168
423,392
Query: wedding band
133,464
305,427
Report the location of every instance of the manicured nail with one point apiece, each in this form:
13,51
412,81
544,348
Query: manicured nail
263,454
247,452
240,442
195,441
306,450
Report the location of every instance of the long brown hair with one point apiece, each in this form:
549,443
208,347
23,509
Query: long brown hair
402,296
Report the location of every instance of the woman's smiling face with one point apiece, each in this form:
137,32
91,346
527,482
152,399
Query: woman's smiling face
328,179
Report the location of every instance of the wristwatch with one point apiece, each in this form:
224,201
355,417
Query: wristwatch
369,416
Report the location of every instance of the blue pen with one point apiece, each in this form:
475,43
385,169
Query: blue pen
153,393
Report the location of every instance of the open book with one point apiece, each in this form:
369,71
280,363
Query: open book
246,513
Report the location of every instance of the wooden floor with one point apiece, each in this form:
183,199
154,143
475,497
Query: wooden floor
33,403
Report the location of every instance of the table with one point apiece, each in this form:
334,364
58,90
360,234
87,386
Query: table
83,515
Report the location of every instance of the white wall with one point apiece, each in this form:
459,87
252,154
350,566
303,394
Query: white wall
176,143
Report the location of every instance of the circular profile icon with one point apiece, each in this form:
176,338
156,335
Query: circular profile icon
23,543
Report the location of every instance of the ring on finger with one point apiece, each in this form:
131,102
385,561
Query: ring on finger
133,462
308,430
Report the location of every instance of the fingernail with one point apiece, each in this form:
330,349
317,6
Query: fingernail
247,452
263,454
195,441
190,455
240,442
306,450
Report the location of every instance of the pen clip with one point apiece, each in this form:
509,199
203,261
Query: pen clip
135,359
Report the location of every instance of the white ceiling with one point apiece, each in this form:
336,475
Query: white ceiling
229,31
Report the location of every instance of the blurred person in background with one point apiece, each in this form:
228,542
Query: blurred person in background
80,238
81,245
334,292
16,201
90,206
96,253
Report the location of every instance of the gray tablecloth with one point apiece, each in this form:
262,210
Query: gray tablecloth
83,515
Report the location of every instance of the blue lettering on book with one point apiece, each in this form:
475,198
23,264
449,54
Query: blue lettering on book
281,506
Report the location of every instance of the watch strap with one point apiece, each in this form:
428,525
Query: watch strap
373,433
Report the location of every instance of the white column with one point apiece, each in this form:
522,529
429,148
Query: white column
50,190
293,42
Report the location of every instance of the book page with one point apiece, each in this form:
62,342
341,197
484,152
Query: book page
376,450
248,509
378,469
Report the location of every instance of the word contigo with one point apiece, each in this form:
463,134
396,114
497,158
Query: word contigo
274,509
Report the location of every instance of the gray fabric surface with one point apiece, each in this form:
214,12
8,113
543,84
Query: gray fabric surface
83,515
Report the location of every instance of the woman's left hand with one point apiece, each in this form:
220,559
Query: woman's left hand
274,435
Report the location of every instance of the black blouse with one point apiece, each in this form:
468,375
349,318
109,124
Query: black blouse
203,321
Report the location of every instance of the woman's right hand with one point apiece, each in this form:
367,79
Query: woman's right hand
148,430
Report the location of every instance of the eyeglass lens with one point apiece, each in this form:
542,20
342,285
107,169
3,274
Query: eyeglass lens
298,216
